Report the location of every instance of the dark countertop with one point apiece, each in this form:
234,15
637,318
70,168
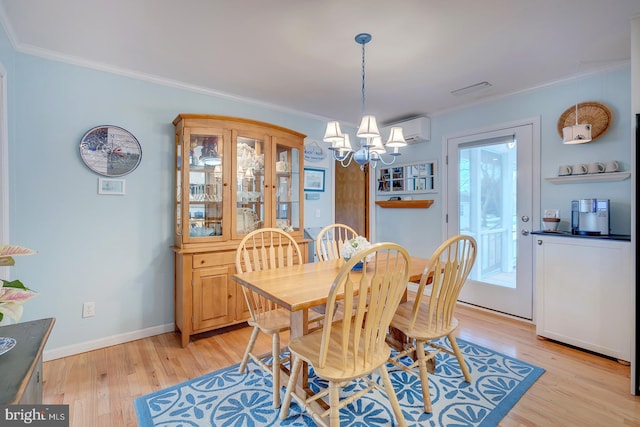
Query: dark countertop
19,363
624,237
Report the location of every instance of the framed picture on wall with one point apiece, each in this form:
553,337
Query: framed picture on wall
313,179
114,187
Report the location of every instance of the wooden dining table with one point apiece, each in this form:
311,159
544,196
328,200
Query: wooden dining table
301,287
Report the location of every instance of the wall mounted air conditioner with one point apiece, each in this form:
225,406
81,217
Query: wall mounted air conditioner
415,130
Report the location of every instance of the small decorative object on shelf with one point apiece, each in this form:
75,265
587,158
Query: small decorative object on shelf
13,293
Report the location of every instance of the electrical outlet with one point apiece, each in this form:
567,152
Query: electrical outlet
317,213
88,309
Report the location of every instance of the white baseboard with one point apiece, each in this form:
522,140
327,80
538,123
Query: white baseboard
83,347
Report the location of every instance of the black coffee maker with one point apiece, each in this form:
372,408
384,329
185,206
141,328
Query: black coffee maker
590,217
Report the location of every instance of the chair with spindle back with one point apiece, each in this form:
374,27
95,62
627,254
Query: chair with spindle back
265,249
353,347
330,240
428,318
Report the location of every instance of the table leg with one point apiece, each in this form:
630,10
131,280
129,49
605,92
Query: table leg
300,327
396,338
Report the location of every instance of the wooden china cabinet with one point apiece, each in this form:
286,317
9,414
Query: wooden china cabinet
233,176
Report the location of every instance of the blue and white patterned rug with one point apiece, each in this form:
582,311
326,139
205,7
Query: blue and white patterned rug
226,398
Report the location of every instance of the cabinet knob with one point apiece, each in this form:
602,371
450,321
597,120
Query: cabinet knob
224,184
539,242
525,232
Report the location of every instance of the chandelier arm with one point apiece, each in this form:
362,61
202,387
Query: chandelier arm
348,156
381,160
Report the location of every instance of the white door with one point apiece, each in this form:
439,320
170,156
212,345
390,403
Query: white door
491,187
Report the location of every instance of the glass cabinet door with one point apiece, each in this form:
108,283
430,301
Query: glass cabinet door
203,159
288,192
250,182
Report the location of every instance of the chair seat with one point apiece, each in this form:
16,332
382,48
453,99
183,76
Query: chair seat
423,329
279,320
272,322
308,348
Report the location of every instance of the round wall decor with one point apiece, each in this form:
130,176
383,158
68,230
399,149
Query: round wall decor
595,113
110,150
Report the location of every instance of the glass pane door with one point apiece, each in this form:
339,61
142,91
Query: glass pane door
287,187
250,184
490,197
205,185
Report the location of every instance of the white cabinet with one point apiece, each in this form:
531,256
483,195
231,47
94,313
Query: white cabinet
584,293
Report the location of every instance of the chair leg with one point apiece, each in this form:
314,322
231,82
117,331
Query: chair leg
245,358
458,354
424,376
291,386
275,369
334,404
391,394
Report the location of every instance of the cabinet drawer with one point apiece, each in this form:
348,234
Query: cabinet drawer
214,259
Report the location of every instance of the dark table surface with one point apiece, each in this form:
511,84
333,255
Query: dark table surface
18,364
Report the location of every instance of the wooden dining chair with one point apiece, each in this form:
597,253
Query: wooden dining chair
428,318
330,240
264,249
328,243
353,347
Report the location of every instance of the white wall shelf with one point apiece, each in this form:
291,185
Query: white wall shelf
594,177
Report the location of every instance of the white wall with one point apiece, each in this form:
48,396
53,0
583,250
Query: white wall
611,87
112,250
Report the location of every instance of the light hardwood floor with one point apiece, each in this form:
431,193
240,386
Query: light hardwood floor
577,389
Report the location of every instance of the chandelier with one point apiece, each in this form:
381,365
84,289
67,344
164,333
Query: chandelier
371,148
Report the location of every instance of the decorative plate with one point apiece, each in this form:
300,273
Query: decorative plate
595,113
6,344
110,150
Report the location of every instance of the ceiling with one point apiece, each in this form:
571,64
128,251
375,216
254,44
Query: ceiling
301,54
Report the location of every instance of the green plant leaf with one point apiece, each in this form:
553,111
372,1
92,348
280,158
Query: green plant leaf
16,284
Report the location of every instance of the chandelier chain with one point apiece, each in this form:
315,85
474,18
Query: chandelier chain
363,78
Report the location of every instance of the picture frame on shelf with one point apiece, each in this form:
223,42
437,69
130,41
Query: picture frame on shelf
313,179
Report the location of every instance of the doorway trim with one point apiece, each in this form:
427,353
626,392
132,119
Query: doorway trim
4,167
